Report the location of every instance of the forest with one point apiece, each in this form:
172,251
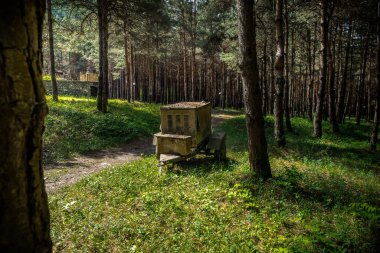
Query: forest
100,151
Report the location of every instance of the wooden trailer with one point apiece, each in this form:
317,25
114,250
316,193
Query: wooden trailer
186,131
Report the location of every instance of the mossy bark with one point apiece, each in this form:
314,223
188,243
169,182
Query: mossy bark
24,213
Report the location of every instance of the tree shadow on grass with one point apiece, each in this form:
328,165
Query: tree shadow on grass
201,165
339,149
344,151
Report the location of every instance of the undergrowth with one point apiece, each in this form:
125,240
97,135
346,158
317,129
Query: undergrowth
324,197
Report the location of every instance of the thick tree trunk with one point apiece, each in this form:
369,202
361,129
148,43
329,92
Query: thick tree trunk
257,144
103,55
323,69
51,49
24,218
279,74
376,120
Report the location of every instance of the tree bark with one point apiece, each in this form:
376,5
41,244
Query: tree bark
24,213
279,74
51,49
332,106
102,100
310,77
288,123
323,69
126,60
359,102
343,83
257,144
376,120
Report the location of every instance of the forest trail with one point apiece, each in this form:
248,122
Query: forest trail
60,174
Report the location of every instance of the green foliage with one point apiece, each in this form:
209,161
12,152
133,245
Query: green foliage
324,197
73,126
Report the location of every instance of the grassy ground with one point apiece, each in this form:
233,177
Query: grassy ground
74,126
324,197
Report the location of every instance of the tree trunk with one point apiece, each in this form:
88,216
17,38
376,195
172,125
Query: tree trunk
323,69
343,83
376,120
51,49
126,59
310,78
103,55
332,108
359,102
257,144
288,123
24,219
193,48
279,73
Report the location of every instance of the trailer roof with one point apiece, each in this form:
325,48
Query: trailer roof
185,105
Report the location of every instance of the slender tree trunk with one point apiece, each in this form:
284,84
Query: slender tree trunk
24,218
332,108
343,83
193,47
265,79
132,82
279,73
323,69
51,49
126,59
286,87
376,120
359,102
257,144
310,78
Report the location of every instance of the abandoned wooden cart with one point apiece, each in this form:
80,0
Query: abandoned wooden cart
186,131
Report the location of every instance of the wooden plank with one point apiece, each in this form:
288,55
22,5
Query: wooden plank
169,158
173,144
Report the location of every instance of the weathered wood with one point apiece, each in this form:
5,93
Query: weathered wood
173,144
189,118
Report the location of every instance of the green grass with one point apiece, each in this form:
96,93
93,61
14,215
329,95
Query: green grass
324,197
74,126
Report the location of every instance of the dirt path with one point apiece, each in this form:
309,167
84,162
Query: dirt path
64,173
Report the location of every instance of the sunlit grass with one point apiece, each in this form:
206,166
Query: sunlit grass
324,197
74,126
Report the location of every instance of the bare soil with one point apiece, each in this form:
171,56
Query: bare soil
65,173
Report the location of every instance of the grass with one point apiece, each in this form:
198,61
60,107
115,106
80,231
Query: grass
74,126
324,197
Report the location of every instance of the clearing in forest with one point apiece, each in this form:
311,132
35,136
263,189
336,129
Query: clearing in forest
324,196
89,142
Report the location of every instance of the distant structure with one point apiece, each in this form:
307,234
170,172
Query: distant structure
89,76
